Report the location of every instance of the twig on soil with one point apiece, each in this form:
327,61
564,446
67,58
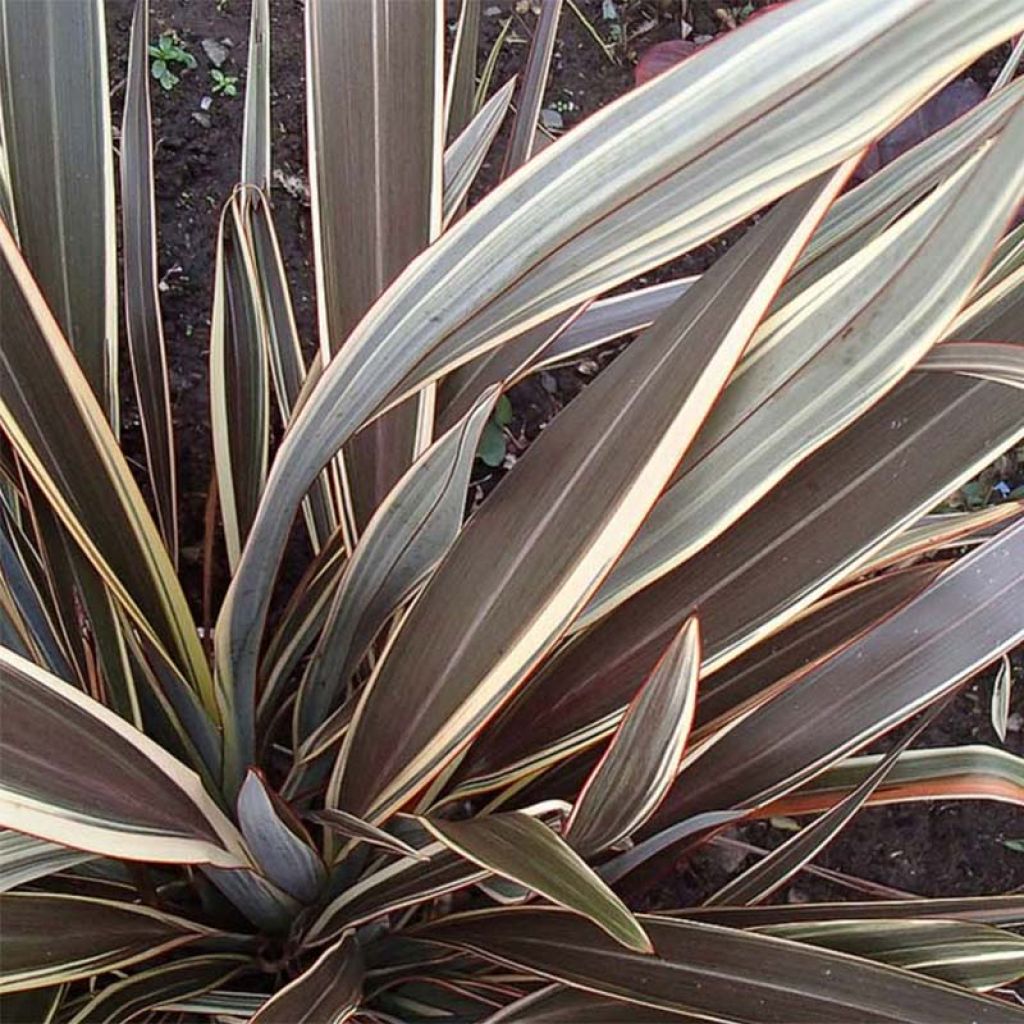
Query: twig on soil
606,48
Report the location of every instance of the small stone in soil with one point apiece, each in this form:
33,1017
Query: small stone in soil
217,52
202,118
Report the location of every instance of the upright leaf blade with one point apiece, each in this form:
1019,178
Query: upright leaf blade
375,173
57,147
256,126
239,381
74,458
143,322
535,78
410,533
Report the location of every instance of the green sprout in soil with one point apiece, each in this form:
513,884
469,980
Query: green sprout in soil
493,445
226,85
167,51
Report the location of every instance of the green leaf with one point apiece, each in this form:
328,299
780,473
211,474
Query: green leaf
519,847
492,445
159,67
1017,845
94,936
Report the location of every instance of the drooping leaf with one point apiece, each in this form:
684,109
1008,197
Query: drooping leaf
521,848
713,972
969,772
693,158
112,791
93,936
559,521
124,1000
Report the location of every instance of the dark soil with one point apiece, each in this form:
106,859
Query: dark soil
945,848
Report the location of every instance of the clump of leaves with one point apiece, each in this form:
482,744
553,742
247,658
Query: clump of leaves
168,51
226,85
434,780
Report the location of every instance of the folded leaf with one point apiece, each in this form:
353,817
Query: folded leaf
280,846
643,756
519,847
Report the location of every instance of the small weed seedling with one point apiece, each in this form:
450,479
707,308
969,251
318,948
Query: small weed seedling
167,51
225,85
493,445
